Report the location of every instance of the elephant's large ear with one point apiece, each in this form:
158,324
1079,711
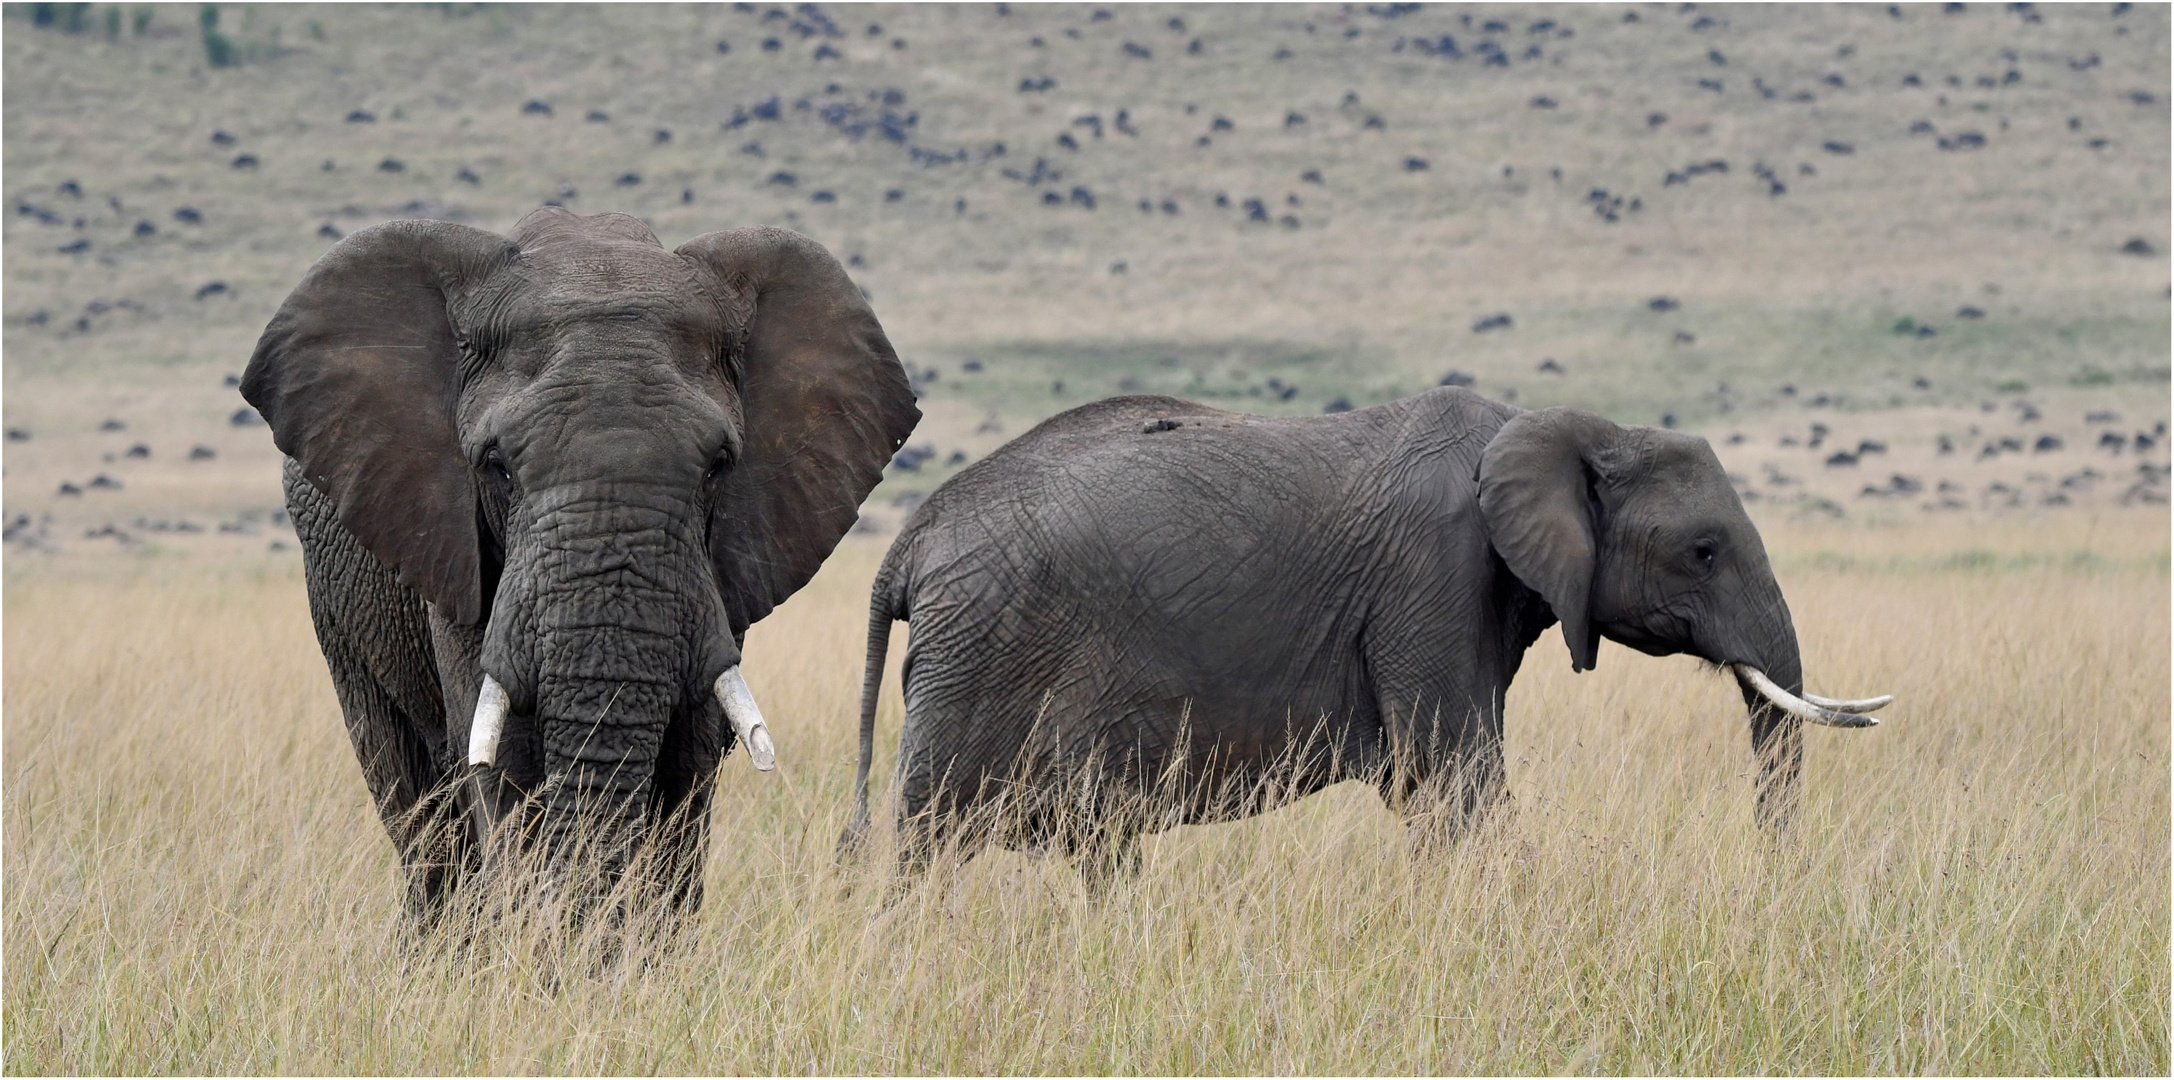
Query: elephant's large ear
1537,496
825,404
358,375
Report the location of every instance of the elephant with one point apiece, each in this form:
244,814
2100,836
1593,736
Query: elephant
543,483
1147,612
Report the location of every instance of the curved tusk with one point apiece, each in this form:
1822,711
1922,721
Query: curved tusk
746,718
489,722
1796,706
1860,705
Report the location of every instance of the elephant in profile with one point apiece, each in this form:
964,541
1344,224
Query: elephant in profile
543,484
1147,612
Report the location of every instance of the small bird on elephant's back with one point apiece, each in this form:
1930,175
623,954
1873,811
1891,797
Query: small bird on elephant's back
1148,612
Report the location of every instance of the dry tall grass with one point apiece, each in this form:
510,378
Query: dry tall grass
194,882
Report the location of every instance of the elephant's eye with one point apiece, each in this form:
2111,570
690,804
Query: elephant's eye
495,464
718,465
1704,552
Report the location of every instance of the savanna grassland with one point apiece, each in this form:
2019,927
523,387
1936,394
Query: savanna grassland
192,879
195,881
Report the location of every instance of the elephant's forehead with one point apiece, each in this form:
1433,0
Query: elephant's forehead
603,272
607,291
1676,454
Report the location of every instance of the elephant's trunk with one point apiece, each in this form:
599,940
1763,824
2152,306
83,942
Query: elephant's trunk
1777,735
597,618
1769,671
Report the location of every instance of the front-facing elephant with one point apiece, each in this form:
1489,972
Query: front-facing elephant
543,484
1146,612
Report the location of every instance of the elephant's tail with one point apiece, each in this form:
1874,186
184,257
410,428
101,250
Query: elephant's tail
885,605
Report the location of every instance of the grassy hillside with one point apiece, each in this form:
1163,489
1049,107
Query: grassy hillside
1549,136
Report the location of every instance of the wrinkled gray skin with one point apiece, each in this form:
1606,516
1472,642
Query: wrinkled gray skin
1219,612
582,464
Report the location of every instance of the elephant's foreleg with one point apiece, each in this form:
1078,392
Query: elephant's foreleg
375,639
1444,808
1444,776
679,841
420,812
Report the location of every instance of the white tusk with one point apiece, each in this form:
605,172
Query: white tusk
1798,707
1861,705
746,718
490,720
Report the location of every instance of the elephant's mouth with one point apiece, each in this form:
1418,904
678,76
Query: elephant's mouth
1811,708
731,690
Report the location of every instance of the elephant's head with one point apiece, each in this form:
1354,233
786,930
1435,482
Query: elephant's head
1636,534
600,459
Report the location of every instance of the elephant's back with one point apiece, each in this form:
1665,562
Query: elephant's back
1147,511
1131,449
